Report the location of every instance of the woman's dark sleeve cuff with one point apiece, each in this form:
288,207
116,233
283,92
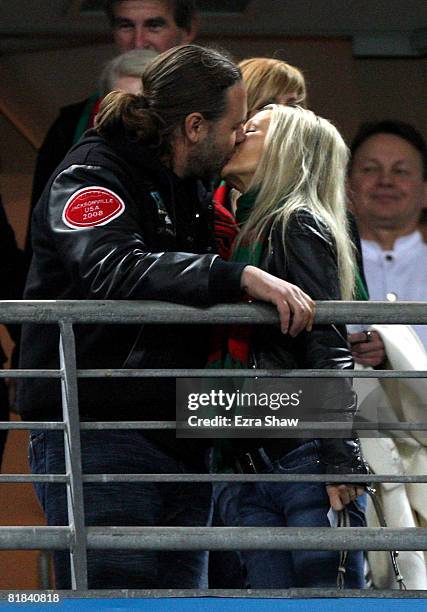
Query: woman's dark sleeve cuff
224,281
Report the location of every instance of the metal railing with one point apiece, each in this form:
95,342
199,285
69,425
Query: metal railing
78,539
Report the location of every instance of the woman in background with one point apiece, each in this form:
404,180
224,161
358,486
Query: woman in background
272,81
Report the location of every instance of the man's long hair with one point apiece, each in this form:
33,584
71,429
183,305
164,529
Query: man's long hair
177,83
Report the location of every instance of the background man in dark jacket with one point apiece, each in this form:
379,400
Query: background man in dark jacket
125,216
12,278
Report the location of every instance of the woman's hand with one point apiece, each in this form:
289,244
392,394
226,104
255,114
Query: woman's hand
341,495
367,348
296,308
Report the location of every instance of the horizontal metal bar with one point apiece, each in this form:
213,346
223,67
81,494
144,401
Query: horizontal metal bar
311,426
217,373
261,538
105,478
316,428
147,311
50,478
217,538
362,478
337,427
92,425
31,374
48,425
88,425
35,538
295,593
249,373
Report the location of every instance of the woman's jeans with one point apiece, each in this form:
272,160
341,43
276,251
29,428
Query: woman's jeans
268,504
125,504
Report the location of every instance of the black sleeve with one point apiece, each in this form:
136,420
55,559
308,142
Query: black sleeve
113,260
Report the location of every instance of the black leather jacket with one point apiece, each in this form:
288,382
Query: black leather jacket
161,247
309,262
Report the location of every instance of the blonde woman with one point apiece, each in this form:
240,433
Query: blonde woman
291,172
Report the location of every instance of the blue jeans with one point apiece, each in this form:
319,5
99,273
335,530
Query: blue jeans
286,504
125,504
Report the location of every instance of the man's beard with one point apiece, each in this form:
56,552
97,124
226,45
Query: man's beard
206,161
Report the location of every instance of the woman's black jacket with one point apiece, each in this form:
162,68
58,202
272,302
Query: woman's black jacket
309,261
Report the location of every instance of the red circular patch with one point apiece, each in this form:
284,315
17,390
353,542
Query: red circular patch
92,206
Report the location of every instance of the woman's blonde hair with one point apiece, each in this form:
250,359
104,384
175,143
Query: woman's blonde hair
266,78
303,166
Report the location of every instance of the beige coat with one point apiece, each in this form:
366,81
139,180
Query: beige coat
404,505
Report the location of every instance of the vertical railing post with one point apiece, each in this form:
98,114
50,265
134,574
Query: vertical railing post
73,457
44,572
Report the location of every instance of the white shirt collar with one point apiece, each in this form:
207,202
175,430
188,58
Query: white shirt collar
402,245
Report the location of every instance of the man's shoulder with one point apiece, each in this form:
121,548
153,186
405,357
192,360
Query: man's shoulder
60,135
92,150
96,159
68,118
73,110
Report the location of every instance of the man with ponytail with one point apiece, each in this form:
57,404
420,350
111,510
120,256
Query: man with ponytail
125,216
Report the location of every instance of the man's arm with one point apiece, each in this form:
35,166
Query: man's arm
296,309
112,260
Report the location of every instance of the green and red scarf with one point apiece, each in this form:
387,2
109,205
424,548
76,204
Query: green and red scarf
87,118
230,346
